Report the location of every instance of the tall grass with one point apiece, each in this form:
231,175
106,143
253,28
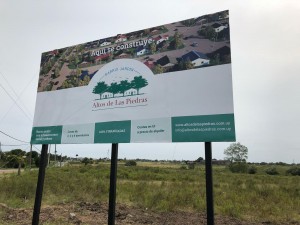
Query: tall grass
258,197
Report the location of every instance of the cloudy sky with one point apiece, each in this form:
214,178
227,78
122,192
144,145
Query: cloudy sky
265,43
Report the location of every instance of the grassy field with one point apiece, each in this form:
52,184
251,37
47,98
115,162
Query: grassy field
164,187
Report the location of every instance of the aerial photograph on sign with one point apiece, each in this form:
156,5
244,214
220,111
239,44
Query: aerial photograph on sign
193,43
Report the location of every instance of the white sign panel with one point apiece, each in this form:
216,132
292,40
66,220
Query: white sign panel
170,83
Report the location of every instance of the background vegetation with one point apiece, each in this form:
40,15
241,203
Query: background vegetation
165,186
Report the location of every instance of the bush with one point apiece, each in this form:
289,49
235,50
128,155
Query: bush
37,161
191,166
87,161
130,163
272,171
238,167
252,170
295,171
183,167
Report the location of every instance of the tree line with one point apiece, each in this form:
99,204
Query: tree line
17,158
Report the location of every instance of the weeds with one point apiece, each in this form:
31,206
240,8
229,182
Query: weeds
253,197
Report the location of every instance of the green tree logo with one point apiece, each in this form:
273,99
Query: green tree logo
114,88
100,88
138,82
124,86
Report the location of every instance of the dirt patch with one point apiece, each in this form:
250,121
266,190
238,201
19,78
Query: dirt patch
9,171
84,213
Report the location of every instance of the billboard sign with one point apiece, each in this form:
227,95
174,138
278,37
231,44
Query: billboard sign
170,83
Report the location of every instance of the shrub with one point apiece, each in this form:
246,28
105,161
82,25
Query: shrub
238,167
272,171
252,170
183,167
87,161
295,171
191,166
130,163
37,161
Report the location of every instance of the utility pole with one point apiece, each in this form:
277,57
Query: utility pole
0,150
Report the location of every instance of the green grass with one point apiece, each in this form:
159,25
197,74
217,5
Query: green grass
258,197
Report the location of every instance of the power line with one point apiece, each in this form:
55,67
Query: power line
13,137
17,96
36,148
16,103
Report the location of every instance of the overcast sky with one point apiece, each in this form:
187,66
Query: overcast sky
265,46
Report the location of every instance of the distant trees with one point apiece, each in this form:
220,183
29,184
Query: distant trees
252,170
74,60
86,80
131,163
55,73
223,14
208,32
15,159
79,48
295,171
110,58
237,154
216,60
272,171
158,69
75,79
1,155
47,67
186,64
71,59
200,159
188,23
152,48
87,161
177,40
67,84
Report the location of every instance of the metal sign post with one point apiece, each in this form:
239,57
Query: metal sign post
209,184
113,185
40,185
